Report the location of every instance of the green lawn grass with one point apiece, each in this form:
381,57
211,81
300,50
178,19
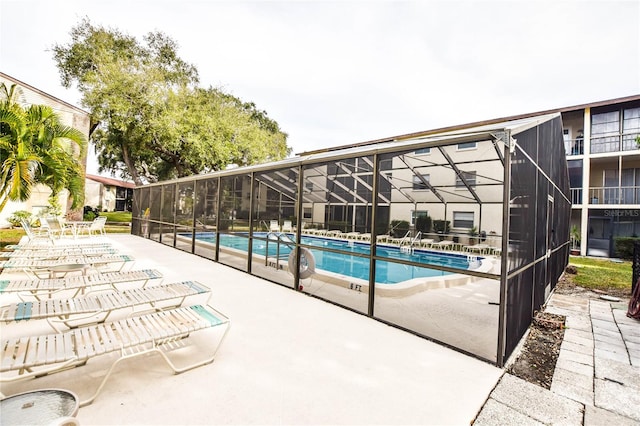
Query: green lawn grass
10,236
602,274
121,217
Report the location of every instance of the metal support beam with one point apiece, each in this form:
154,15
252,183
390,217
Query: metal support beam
498,138
358,178
394,186
506,196
423,180
299,212
218,207
327,177
251,204
374,237
460,174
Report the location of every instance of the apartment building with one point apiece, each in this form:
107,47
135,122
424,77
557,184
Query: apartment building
108,194
603,160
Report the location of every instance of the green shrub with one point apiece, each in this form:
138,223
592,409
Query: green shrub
423,223
623,246
442,226
399,228
382,228
17,216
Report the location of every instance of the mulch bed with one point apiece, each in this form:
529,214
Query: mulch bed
537,359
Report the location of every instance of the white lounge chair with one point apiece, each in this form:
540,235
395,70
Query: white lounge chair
444,245
477,248
335,233
46,288
287,226
96,307
384,238
59,252
274,226
40,267
426,242
58,245
160,332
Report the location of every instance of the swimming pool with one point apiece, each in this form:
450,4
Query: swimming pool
345,264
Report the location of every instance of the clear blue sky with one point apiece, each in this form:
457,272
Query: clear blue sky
339,72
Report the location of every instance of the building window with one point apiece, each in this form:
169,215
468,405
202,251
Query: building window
423,151
419,183
607,123
467,145
470,177
307,213
463,220
607,127
630,128
605,132
416,214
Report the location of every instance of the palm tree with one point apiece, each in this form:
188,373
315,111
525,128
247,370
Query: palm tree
35,147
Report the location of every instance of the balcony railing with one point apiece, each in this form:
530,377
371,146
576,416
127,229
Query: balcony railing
614,195
576,195
625,142
574,146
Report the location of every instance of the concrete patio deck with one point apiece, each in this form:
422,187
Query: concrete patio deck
288,359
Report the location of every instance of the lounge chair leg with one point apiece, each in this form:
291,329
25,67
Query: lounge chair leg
106,377
209,360
155,348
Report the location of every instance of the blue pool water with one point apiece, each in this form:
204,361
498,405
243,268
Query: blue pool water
345,264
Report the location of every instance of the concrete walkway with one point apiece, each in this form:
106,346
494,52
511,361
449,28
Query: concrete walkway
597,376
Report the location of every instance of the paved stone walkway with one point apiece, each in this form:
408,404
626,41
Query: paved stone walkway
597,376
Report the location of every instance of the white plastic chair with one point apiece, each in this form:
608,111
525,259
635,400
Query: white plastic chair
95,228
34,234
56,228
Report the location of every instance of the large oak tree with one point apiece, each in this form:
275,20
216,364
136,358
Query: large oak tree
152,121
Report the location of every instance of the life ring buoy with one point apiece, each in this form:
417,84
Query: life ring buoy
307,263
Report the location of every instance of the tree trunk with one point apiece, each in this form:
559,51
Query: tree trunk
126,157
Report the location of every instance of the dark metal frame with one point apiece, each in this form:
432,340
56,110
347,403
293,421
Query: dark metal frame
518,299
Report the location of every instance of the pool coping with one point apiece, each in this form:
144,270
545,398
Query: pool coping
399,289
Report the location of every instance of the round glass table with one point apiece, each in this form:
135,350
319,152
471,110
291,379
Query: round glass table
40,407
